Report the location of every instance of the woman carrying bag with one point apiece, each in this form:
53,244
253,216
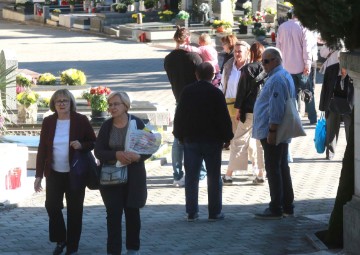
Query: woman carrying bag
126,197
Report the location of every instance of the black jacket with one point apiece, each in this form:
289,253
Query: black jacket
327,89
136,186
251,80
180,68
202,115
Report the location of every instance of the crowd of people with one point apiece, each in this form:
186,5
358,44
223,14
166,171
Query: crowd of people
237,105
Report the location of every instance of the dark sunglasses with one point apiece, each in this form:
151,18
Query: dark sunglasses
267,61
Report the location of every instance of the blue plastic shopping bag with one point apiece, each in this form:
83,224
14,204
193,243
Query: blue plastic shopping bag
320,135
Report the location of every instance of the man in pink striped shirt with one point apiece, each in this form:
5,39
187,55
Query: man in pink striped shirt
294,42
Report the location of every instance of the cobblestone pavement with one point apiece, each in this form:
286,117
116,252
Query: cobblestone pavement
138,68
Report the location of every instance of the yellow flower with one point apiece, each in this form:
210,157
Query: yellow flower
19,96
31,97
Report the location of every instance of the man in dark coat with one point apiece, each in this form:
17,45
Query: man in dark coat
202,123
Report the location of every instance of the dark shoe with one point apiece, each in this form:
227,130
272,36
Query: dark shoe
258,181
192,217
217,217
268,215
59,248
227,181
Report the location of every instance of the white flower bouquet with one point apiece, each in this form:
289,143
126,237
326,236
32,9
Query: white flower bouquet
204,8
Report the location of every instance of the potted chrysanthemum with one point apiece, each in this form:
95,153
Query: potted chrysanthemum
98,101
72,77
27,106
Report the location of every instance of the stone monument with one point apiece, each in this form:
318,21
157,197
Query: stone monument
8,94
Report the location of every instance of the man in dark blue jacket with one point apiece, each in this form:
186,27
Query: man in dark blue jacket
202,123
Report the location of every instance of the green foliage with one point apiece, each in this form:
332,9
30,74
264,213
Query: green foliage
127,2
121,7
46,79
99,103
27,97
259,31
183,15
166,15
149,4
335,19
23,80
72,77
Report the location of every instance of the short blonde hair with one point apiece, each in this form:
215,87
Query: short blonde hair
204,37
66,93
124,97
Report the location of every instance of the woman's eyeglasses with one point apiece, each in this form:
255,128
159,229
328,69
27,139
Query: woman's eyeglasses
60,102
267,61
116,104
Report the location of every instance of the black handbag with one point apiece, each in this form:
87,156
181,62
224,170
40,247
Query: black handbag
340,105
93,177
84,171
306,95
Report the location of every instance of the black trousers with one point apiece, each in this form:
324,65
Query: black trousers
332,130
58,184
115,198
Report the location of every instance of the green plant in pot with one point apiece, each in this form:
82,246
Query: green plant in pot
260,33
149,4
127,2
244,23
23,80
72,77
46,79
98,100
122,8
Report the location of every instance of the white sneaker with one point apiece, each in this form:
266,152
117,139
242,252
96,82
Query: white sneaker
203,183
180,183
237,172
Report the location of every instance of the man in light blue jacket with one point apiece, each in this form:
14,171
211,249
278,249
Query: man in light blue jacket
269,111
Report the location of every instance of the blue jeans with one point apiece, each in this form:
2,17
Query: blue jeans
278,174
177,155
194,154
309,107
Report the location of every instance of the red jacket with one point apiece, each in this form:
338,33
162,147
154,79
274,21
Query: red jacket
80,129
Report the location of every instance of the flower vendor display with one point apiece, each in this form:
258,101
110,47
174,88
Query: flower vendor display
27,106
46,79
98,99
166,15
72,77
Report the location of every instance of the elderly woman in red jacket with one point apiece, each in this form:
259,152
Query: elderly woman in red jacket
61,134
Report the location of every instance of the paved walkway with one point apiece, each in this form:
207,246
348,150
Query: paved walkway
138,68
